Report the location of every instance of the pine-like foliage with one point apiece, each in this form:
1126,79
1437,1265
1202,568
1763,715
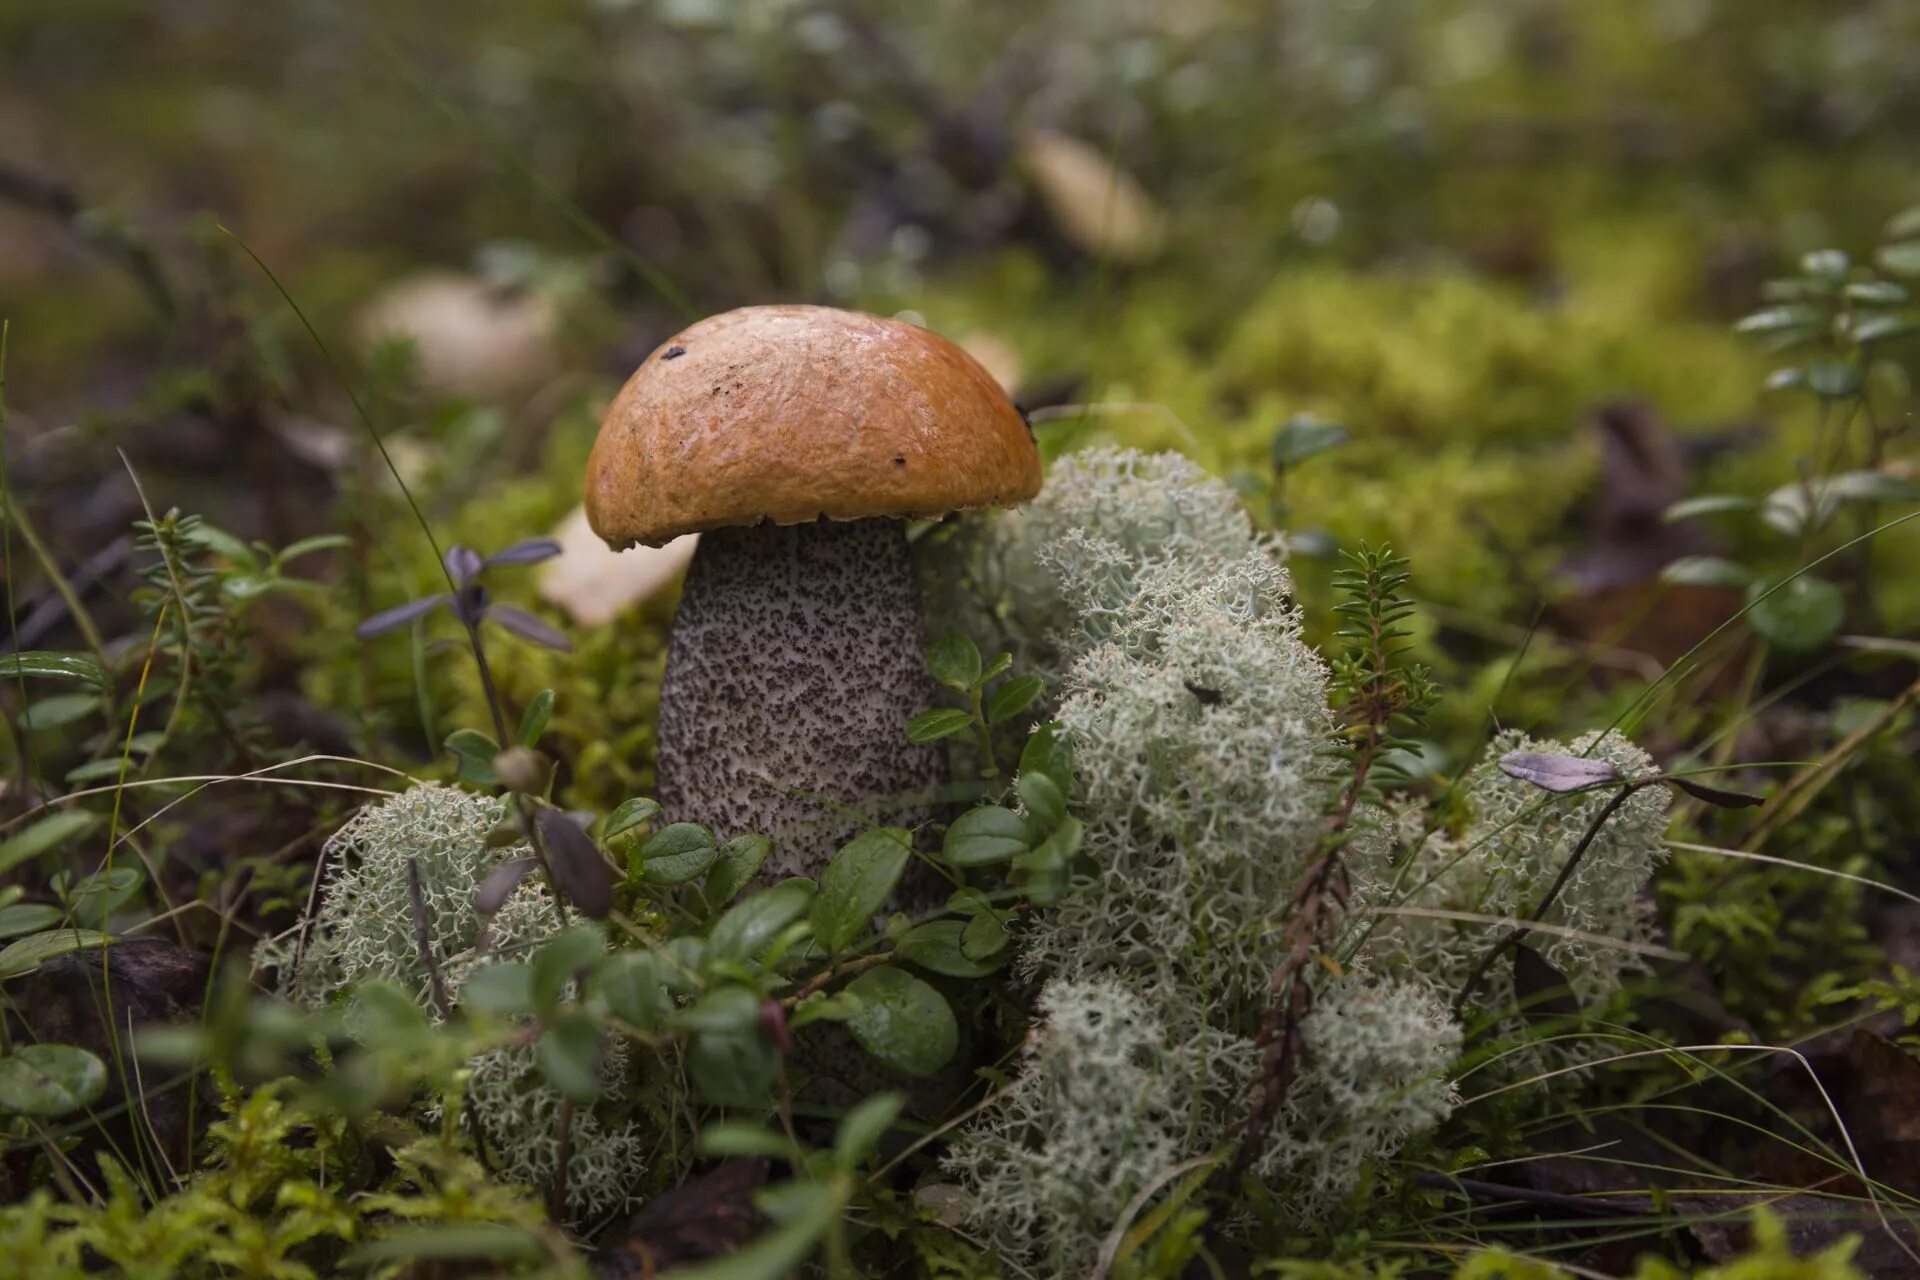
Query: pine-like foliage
365,929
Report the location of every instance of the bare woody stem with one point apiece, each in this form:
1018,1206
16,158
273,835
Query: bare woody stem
1547,899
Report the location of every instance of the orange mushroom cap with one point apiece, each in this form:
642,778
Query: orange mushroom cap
790,414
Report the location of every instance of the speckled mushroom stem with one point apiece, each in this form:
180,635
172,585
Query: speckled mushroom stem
795,663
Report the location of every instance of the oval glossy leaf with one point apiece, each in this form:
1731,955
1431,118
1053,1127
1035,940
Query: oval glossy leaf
568,1055
985,836
1043,798
1013,697
56,666
473,753
629,815
857,884
59,710
863,1127
986,937
556,963
502,990
1706,571
1706,504
533,722
903,1023
1802,615
738,862
31,952
580,871
1048,751
937,946
677,854
941,722
954,661
746,929
1558,773
47,1080
634,987
47,834
28,917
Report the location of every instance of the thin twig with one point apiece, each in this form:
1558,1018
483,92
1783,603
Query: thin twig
423,939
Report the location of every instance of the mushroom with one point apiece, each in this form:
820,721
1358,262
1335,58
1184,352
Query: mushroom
798,441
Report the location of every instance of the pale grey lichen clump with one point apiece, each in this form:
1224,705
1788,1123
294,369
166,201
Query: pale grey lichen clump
1199,723
365,929
1498,864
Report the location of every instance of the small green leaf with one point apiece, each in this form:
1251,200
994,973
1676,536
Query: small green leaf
629,815
1706,571
1876,293
986,936
1013,697
1801,616
954,661
1303,436
1878,328
1901,259
1043,798
1706,504
999,664
1872,486
1828,266
47,1080
568,1055
473,755
862,1128
1049,751
308,546
821,1007
748,927
44,836
61,709
31,952
1785,319
733,1009
501,990
938,947
905,1024
633,985
56,666
986,835
556,963
1903,224
28,917
857,884
738,863
941,722
677,854
1045,865
727,1138
533,722
1834,379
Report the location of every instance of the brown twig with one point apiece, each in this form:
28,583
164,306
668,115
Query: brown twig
59,202
422,939
563,1156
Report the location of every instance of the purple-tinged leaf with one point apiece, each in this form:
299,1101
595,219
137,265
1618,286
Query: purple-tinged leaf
527,551
1717,795
500,884
580,872
463,564
528,627
1558,773
398,616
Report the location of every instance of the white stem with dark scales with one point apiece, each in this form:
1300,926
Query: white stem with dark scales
795,663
